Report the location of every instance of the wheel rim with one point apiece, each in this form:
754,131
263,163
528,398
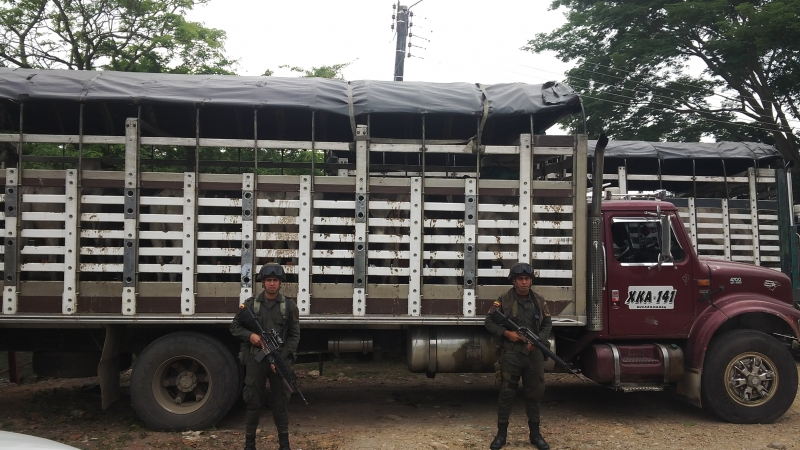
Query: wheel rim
751,379
181,385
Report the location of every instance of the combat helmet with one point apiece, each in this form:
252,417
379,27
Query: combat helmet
272,269
520,268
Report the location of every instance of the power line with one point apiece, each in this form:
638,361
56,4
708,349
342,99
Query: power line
685,84
684,112
641,104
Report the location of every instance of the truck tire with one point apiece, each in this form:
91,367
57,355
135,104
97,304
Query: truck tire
748,377
184,381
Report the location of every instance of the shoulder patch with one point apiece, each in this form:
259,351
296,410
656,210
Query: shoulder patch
495,306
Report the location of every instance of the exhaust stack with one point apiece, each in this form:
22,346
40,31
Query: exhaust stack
597,176
597,270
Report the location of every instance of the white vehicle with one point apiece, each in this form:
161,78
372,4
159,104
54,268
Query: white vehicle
17,441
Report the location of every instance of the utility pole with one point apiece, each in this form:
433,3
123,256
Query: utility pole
402,33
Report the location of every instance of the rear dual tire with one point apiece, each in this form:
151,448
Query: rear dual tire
184,381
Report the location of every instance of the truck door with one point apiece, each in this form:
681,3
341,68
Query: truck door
646,298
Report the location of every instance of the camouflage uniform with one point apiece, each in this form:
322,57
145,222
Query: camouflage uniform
515,360
288,327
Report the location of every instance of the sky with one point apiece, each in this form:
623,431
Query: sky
467,40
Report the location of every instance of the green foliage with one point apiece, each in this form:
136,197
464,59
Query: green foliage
124,35
230,160
334,71
34,156
174,159
634,63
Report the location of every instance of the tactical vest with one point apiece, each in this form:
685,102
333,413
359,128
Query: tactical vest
257,307
511,296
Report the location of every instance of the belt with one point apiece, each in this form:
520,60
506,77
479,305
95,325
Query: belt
514,346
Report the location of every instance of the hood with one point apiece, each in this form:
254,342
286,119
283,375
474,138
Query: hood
743,278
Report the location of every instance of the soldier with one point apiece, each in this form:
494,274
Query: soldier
273,311
518,359
649,245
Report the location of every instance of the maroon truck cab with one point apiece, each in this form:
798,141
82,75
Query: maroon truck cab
718,331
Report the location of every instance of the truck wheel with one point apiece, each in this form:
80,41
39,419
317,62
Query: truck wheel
184,381
748,377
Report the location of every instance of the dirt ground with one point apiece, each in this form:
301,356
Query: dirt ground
379,405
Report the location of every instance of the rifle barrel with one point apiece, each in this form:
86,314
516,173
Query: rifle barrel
531,338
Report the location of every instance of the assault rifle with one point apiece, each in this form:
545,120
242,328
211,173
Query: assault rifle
531,338
271,350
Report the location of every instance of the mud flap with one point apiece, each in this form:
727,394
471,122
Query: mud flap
109,366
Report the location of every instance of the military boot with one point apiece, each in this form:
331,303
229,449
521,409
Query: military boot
283,439
536,437
250,442
500,440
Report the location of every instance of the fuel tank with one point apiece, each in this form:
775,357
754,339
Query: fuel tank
618,364
454,350
450,350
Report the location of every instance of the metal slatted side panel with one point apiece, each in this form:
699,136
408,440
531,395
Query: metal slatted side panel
693,223
746,229
361,202
68,299
188,282
622,176
525,196
470,246
768,222
41,229
734,230
415,249
131,218
526,208
529,219
726,229
305,259
558,250
248,236
751,176
10,248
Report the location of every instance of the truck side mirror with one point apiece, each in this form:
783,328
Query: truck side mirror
666,239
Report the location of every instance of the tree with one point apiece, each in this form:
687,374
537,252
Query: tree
635,60
334,71
124,35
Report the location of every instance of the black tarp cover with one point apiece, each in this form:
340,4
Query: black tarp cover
683,150
320,94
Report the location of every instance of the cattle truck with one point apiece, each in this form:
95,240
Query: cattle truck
137,208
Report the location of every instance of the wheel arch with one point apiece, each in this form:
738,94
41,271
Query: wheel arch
736,313
138,338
